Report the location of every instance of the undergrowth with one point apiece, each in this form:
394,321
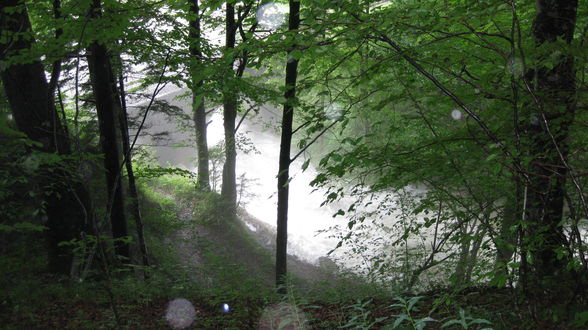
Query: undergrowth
224,290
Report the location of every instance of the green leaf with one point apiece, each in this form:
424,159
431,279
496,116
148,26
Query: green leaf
305,165
399,320
21,227
332,196
452,322
581,319
295,54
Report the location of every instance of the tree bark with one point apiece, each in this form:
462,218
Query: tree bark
127,152
285,147
198,107
229,185
550,116
68,208
101,76
507,236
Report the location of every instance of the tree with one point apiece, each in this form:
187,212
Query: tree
285,147
230,94
128,159
502,162
552,85
198,107
229,185
67,203
108,108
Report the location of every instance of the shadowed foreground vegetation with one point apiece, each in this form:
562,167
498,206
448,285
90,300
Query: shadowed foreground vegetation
218,272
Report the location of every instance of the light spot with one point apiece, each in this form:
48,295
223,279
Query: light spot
180,313
334,111
251,227
10,116
515,66
456,114
271,15
226,308
283,316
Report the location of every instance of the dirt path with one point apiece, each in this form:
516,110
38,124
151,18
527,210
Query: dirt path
254,250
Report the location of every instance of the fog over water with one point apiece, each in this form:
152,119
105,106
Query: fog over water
259,167
371,239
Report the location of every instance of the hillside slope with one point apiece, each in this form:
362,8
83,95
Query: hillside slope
248,243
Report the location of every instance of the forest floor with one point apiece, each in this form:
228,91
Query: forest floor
239,272
249,314
254,250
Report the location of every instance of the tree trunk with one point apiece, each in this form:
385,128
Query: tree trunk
198,107
549,120
133,193
229,185
460,268
285,146
68,207
101,76
507,236
56,70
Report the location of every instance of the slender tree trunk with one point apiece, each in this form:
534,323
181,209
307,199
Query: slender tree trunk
473,256
201,141
507,235
108,108
56,70
460,268
229,185
549,120
285,146
198,107
68,207
133,193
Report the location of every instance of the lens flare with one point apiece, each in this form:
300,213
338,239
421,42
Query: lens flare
271,15
456,114
180,313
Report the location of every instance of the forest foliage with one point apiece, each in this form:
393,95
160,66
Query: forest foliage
450,134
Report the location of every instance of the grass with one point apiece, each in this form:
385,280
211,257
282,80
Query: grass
32,299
